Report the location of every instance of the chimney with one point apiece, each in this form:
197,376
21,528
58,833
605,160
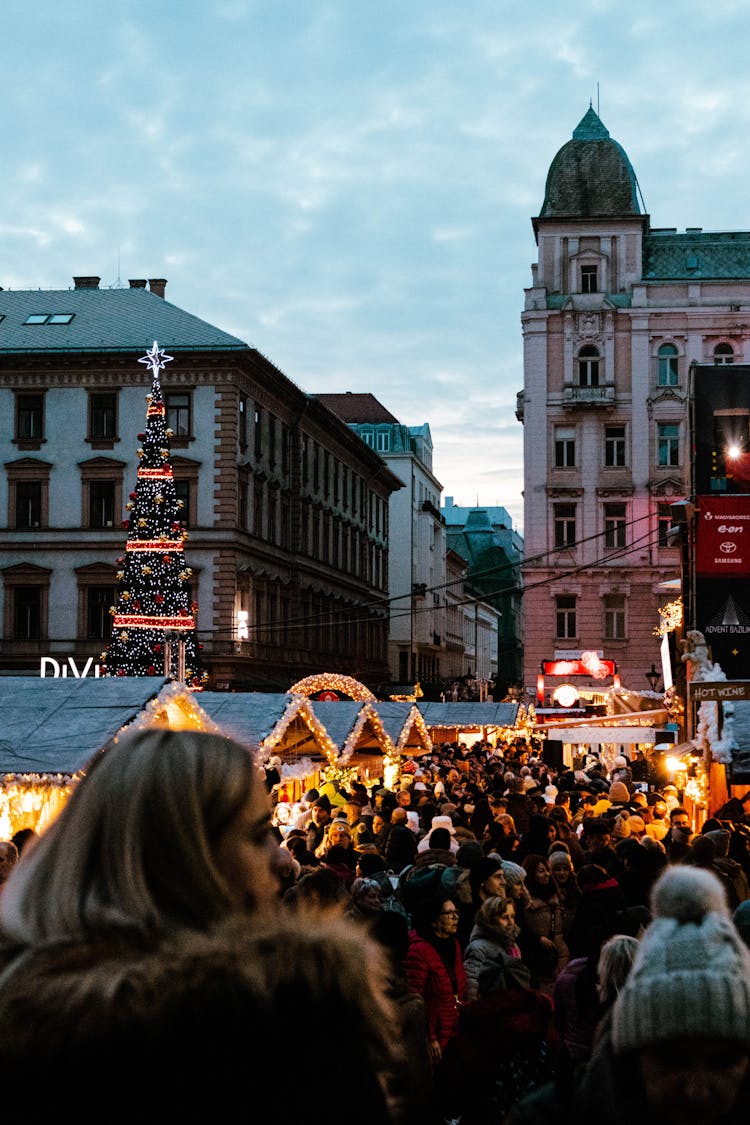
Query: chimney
137,283
86,282
157,285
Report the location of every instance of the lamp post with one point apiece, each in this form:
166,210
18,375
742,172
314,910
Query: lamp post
653,676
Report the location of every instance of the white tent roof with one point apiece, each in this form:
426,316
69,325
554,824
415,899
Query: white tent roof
56,725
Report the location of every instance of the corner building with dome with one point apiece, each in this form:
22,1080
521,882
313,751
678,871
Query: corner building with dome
617,314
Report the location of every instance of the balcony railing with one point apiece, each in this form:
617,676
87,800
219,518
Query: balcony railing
575,395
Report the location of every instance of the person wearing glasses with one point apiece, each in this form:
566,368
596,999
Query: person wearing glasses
435,970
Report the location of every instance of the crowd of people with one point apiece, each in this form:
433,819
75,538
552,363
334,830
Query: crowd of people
492,940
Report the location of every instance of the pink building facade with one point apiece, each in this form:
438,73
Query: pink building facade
616,314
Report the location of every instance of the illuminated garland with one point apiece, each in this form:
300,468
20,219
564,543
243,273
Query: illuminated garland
154,545
121,620
164,473
671,616
332,681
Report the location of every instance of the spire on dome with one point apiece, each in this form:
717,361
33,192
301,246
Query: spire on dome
590,127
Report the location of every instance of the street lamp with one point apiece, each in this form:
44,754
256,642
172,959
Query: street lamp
653,676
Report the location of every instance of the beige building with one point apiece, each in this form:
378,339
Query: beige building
616,313
286,509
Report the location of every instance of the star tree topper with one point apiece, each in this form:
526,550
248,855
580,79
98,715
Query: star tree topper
156,358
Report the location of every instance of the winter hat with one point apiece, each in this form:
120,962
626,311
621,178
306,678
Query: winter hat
483,870
443,822
691,974
637,824
621,827
619,792
559,858
514,873
620,762
550,793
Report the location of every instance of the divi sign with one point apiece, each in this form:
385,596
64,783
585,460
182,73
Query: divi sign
722,545
54,669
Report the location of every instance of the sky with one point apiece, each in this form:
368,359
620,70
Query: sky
348,185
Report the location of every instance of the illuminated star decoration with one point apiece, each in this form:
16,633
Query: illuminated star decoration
156,359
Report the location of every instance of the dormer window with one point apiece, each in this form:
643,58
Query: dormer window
589,279
588,366
723,354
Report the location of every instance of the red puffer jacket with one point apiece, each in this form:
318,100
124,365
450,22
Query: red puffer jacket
428,976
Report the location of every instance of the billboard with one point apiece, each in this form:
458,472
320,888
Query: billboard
722,537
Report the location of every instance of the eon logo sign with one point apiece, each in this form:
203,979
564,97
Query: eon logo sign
49,667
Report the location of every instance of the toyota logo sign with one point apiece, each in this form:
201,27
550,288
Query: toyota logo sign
727,547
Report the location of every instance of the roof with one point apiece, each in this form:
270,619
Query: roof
57,725
668,254
104,320
469,715
591,176
351,407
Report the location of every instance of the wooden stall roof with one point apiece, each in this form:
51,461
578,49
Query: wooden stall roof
56,725
469,716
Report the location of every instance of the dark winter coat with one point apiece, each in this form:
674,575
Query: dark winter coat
506,1045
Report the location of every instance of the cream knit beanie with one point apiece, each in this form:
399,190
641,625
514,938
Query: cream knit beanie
691,974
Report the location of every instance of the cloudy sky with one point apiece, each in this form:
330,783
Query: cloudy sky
348,185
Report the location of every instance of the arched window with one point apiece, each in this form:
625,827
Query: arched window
667,366
723,354
588,366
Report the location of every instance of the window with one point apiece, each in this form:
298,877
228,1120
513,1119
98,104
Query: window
668,444
565,526
242,421
183,492
178,408
49,318
272,420
258,434
723,354
565,447
101,503
614,617
29,417
368,437
664,522
243,491
667,371
615,526
102,416
588,366
589,279
27,613
614,447
565,616
258,510
28,504
383,441
98,618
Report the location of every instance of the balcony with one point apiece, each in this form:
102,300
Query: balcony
575,395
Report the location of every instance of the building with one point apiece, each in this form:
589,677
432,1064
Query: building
287,510
616,314
485,537
417,566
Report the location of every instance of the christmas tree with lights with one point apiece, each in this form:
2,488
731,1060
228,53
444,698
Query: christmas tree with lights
153,629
